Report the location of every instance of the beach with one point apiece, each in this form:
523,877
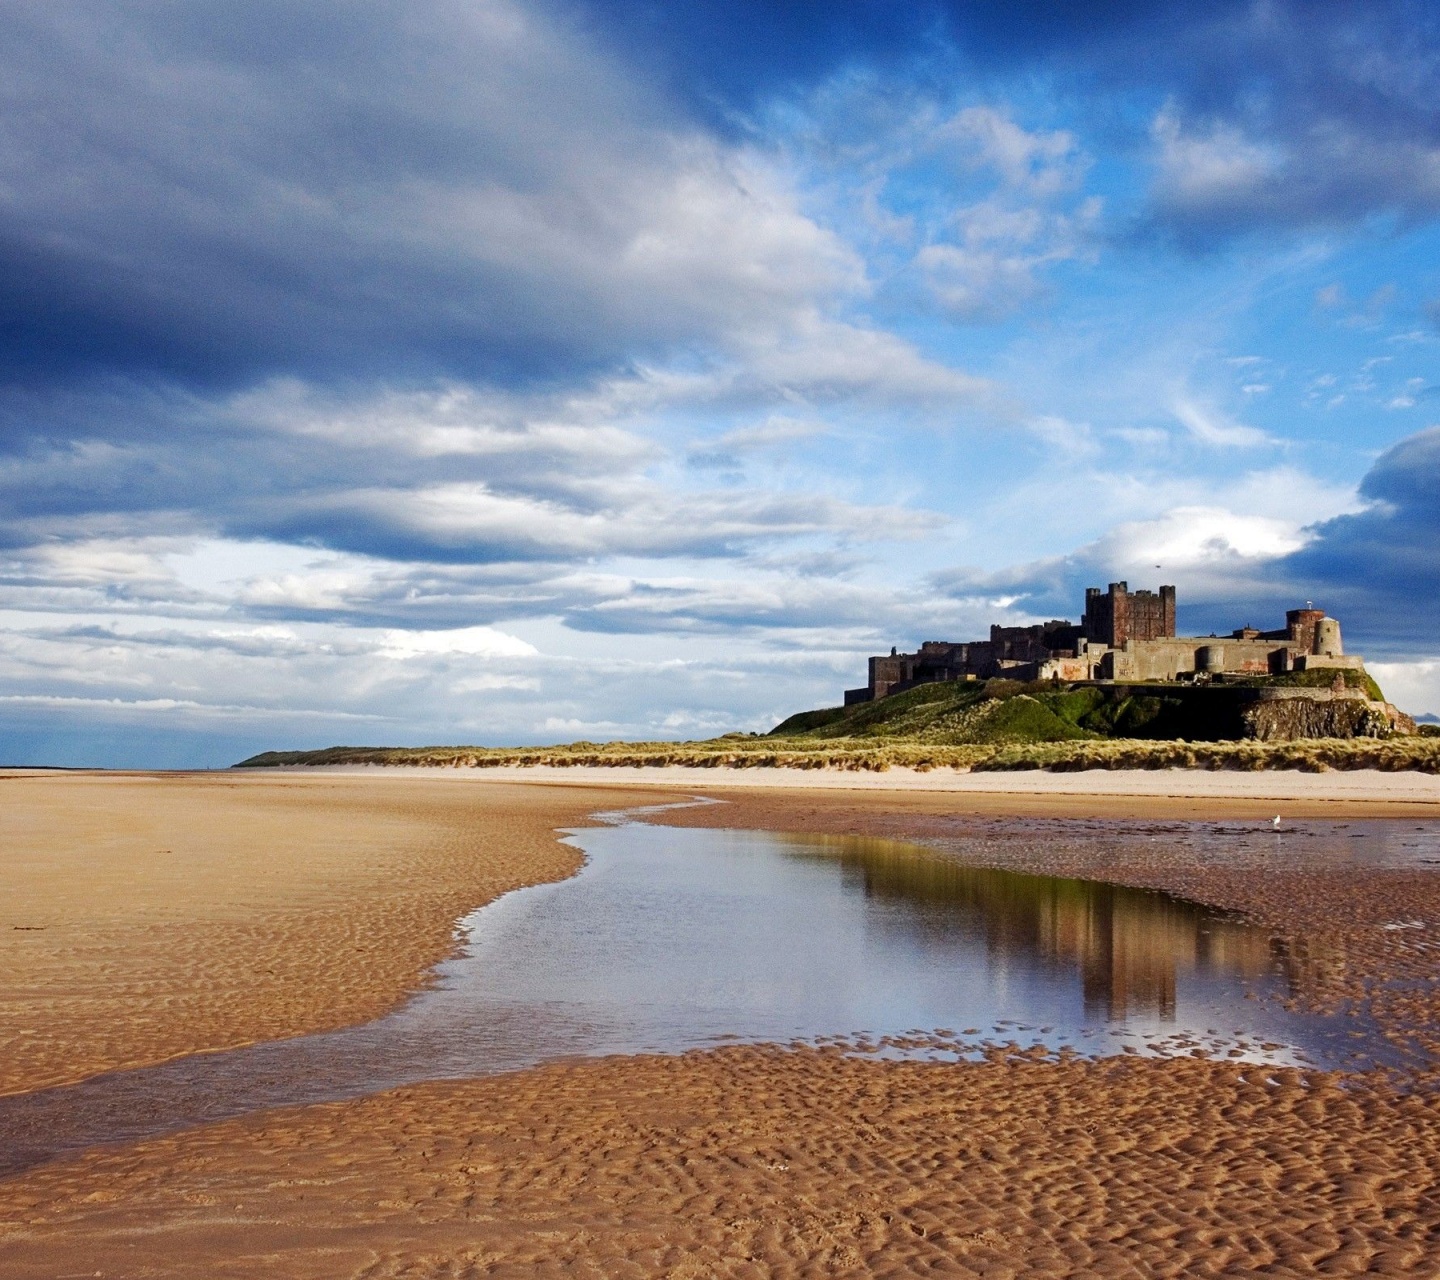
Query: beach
743,1161
147,916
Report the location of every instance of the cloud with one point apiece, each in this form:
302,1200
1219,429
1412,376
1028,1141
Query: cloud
472,523
486,642
457,474
1281,114
1411,686
967,209
200,693
1208,552
217,207
988,258
1223,554
1368,558
1214,179
775,433
1332,123
1378,567
1213,429
1204,172
343,292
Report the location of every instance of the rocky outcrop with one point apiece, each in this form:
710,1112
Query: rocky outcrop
1284,714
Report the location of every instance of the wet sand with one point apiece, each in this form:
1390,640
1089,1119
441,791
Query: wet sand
744,1162
755,1162
147,916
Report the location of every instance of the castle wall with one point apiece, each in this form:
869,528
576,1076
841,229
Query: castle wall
1167,659
1209,655
1125,635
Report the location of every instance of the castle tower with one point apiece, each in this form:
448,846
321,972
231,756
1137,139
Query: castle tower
1300,626
1118,614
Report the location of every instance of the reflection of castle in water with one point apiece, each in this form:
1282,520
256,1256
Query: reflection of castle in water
1128,945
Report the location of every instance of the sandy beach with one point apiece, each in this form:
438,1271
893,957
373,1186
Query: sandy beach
1033,790
744,1161
147,916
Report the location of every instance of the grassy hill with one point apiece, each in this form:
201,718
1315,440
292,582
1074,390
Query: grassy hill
1006,711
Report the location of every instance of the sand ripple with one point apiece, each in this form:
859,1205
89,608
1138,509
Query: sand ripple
753,1162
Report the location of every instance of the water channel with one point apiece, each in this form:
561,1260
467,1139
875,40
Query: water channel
678,938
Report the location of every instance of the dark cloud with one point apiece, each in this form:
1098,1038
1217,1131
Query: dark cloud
725,56
213,194
453,475
1276,114
1287,115
1380,569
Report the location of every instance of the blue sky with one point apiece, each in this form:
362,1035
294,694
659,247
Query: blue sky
510,372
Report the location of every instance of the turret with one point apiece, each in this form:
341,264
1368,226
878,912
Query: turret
1300,625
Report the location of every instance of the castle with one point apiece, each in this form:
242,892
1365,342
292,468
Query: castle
1124,635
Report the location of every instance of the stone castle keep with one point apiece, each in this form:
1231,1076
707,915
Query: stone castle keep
1124,635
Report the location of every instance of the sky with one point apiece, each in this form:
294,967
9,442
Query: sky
502,371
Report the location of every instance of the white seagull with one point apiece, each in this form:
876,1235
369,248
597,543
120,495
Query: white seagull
1275,822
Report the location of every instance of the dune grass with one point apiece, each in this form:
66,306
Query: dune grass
1314,755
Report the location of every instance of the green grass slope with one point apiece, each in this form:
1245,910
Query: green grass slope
992,711
1006,711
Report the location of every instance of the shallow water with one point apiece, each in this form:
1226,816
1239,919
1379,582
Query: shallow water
671,939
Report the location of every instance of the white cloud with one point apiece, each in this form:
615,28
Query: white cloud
1215,430
1065,438
1197,538
483,642
1414,687
986,260
1041,164
1212,166
1001,203
776,430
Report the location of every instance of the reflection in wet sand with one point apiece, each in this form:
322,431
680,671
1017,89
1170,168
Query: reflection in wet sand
1128,945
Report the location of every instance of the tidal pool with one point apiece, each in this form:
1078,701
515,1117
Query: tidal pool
672,939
